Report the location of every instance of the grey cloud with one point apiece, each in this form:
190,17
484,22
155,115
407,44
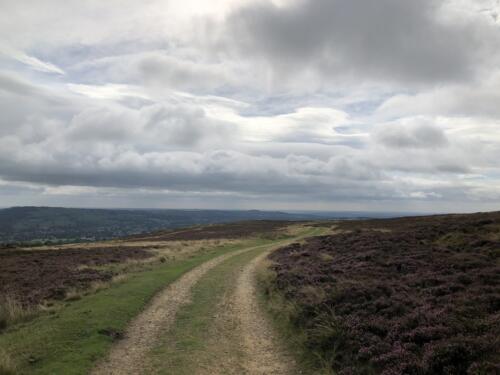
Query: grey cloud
477,100
164,71
428,164
348,167
390,40
161,71
22,102
103,125
416,133
424,164
10,84
167,146
223,170
184,126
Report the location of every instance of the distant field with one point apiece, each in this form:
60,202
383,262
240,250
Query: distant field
399,296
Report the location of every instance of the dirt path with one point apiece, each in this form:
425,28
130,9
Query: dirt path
128,355
242,341
262,353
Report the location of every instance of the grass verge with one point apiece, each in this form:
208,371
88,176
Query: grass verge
282,313
71,339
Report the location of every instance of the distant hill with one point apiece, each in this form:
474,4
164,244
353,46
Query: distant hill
24,224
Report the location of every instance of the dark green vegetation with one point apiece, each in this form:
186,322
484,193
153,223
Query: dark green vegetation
45,224
69,338
399,296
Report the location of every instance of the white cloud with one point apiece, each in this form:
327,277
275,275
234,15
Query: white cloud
31,61
108,91
324,103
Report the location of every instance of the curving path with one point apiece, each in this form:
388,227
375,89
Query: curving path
128,356
243,341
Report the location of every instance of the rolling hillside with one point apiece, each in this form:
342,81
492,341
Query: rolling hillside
74,224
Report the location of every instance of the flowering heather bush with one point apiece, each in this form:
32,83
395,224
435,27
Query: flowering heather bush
420,297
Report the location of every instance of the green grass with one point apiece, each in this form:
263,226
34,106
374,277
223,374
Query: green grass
67,340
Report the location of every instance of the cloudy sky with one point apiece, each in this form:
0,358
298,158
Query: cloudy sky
278,104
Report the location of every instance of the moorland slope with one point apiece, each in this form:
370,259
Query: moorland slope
418,295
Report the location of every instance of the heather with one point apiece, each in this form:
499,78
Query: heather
402,296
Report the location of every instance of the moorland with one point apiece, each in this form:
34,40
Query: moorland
409,295
416,295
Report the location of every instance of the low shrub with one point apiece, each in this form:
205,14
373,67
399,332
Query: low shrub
420,297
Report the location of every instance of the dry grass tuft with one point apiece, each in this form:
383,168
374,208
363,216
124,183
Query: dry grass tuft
11,312
325,257
7,365
96,286
73,294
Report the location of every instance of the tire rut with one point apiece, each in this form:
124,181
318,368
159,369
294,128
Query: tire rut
262,352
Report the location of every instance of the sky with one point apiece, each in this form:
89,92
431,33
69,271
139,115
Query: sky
384,105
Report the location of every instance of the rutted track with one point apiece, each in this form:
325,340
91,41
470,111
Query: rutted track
256,341
241,340
237,338
128,356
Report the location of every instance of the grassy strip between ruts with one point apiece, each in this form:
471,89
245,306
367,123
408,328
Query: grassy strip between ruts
201,340
71,339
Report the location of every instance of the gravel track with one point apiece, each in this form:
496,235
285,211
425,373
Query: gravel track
128,356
